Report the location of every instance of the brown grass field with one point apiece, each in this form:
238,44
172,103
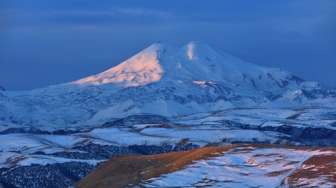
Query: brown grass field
130,170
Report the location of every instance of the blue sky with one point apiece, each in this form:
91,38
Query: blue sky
48,42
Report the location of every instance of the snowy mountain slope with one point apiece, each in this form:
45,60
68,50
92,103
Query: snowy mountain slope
43,157
165,80
247,167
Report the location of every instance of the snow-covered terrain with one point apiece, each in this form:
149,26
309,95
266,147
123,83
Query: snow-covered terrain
245,167
165,80
165,98
234,165
27,150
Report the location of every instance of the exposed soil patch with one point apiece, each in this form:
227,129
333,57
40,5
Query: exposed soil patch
320,167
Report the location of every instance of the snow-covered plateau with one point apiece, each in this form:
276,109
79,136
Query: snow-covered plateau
165,98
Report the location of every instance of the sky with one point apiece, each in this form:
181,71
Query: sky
50,42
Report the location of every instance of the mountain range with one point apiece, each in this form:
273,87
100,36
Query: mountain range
165,80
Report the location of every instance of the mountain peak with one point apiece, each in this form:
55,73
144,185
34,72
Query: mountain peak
140,69
190,50
194,50
192,61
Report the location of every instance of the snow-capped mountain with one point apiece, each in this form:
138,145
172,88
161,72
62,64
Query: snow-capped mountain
165,80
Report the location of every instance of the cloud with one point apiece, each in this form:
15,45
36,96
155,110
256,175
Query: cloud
143,12
58,17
